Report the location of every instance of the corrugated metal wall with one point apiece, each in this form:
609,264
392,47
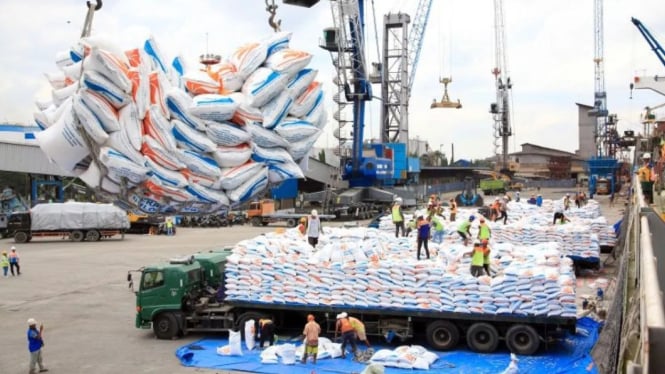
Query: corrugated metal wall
27,159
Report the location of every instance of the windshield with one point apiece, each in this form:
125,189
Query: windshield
152,279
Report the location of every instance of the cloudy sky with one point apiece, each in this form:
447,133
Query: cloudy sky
549,48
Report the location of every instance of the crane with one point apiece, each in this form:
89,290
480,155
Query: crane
603,126
501,110
654,83
401,52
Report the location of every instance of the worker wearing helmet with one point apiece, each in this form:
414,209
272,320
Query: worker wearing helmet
398,217
464,229
314,228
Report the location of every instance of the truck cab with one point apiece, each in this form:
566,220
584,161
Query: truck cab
170,294
18,222
259,209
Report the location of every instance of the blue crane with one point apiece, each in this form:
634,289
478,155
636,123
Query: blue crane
653,43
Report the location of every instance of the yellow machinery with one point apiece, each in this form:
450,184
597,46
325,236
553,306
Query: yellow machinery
445,100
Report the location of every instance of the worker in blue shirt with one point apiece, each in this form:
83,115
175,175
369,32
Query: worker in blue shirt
424,226
539,200
35,344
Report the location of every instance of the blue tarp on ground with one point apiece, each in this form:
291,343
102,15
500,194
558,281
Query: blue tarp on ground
571,355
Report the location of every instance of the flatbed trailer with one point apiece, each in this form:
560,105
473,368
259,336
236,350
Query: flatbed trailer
183,301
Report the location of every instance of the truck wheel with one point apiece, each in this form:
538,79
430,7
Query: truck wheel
522,340
264,223
291,222
165,326
442,335
482,337
76,236
256,221
92,236
20,237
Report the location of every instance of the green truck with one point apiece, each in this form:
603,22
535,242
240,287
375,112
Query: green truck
493,186
187,295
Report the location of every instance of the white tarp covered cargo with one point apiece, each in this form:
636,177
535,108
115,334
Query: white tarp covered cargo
77,216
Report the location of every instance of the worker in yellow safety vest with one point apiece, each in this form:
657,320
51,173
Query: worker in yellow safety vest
484,231
646,179
398,217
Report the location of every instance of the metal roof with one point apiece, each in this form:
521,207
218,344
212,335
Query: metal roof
27,159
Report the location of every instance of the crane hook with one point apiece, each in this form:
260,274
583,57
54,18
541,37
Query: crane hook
272,9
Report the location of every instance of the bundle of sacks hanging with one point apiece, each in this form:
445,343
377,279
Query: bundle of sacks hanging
367,268
164,138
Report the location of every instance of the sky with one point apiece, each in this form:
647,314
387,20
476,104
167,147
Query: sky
549,49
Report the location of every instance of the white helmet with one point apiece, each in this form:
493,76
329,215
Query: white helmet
646,155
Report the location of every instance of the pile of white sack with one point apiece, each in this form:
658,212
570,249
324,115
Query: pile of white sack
405,357
368,268
164,138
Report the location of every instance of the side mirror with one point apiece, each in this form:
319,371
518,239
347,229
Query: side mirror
129,277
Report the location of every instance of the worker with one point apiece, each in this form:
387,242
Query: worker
169,226
4,263
302,226
566,202
484,231
486,256
439,231
360,331
311,331
348,333
539,200
477,259
558,215
503,209
453,210
14,262
532,200
423,235
314,228
495,209
265,332
464,229
644,174
411,226
398,217
517,197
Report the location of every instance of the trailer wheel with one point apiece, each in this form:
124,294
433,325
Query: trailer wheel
442,335
76,236
522,340
92,236
20,237
291,222
165,326
482,337
256,221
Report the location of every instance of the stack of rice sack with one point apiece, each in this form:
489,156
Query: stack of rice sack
365,268
405,357
162,137
576,240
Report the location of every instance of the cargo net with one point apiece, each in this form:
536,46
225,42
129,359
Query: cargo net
607,350
168,138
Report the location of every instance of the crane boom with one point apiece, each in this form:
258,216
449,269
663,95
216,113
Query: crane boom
416,37
501,110
653,43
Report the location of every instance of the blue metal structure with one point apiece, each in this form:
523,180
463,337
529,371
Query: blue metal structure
602,167
653,43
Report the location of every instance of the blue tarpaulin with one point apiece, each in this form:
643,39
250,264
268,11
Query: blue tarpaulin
570,355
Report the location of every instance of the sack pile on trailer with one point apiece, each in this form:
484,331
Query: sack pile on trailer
363,268
164,138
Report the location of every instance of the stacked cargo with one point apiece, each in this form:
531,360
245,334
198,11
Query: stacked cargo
365,268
